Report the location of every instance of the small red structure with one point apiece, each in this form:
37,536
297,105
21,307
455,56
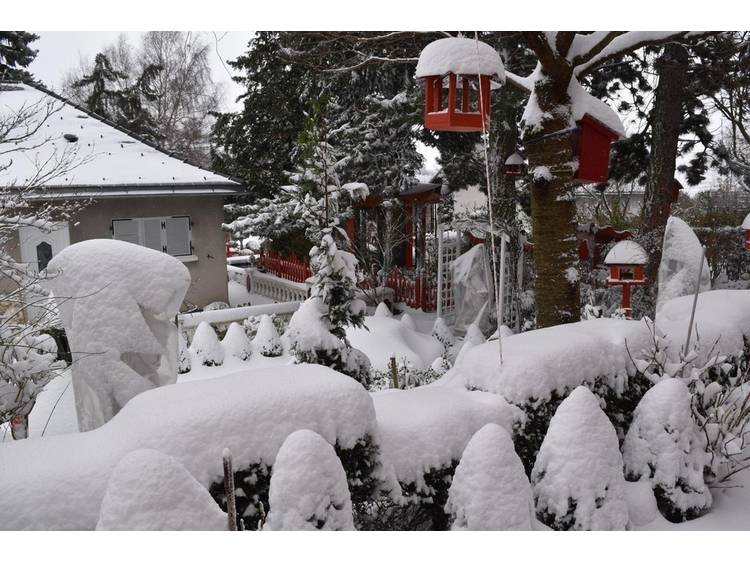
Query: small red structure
514,165
626,261
592,146
746,228
676,188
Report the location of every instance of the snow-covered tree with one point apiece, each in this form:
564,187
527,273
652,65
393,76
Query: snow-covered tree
236,343
665,447
577,478
308,490
206,345
267,339
490,490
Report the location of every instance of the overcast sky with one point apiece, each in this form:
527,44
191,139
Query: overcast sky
60,51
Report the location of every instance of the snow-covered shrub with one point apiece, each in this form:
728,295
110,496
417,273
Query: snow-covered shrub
183,357
311,341
267,339
408,376
577,479
236,344
665,447
383,310
443,333
151,491
308,490
408,321
474,335
216,305
206,346
490,490
118,312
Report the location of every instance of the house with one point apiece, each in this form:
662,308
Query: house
129,189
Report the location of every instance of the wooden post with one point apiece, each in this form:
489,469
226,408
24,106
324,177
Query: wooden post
451,94
394,372
229,490
626,298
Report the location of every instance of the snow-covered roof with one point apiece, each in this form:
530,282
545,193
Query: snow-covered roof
459,55
626,252
746,222
101,159
514,159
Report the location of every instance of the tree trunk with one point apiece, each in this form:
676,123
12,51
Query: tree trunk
553,208
666,121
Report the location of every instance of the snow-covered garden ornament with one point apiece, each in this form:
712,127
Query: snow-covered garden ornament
626,261
746,228
464,67
514,165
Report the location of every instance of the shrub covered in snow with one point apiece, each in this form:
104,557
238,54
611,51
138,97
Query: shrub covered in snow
490,490
267,340
151,491
665,447
408,321
308,490
206,346
183,358
236,343
443,333
578,477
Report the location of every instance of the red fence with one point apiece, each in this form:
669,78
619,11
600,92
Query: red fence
287,267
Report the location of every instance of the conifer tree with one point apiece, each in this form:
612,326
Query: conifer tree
16,55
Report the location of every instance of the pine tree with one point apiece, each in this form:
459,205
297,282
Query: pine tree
16,55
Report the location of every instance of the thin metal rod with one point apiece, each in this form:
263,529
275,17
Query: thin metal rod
695,299
440,270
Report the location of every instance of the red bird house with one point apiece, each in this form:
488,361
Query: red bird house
457,73
514,165
746,228
592,146
626,261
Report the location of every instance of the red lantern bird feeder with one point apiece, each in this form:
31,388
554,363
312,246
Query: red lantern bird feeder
457,73
514,165
592,146
626,261
746,228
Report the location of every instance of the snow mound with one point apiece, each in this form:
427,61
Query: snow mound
236,343
680,262
459,55
308,490
540,362
626,252
206,346
117,304
428,427
151,491
642,508
384,337
475,335
267,339
250,412
490,491
408,321
383,310
746,222
577,478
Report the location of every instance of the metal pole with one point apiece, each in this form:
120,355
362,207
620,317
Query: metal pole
440,270
695,299
501,294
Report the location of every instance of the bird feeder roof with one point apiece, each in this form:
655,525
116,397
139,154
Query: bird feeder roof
514,159
459,55
626,252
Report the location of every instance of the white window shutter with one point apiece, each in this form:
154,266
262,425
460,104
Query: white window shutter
152,234
178,236
125,230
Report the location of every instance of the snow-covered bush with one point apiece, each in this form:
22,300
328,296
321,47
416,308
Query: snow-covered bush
311,341
408,321
151,491
267,340
665,447
120,300
383,310
443,333
206,346
578,477
490,490
308,490
236,344
474,335
183,357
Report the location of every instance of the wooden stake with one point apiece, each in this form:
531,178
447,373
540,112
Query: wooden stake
229,490
394,372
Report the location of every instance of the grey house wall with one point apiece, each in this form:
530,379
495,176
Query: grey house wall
208,273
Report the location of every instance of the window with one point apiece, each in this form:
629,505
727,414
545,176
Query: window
43,255
171,235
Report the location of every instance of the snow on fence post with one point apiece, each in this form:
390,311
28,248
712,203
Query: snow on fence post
229,490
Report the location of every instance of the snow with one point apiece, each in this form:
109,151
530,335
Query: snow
206,347
515,159
642,508
490,491
308,491
408,321
428,427
540,362
151,491
307,329
746,222
117,301
105,156
459,55
583,103
236,343
443,333
626,252
193,422
680,262
541,173
356,190
383,310
267,338
383,337
579,467
665,446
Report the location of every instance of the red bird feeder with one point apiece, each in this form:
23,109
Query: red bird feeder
514,165
457,73
626,261
592,146
746,228
676,188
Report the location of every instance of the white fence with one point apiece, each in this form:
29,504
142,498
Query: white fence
221,319
276,288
